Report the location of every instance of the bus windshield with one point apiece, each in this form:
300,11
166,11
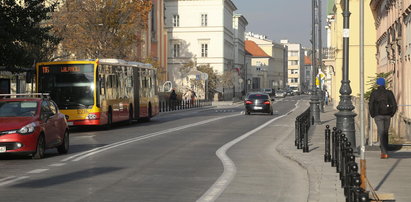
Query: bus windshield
71,86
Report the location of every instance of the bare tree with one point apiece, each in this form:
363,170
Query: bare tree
95,28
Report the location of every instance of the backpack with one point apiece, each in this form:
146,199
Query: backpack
384,105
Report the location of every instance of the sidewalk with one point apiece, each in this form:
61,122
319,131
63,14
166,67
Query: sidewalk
391,175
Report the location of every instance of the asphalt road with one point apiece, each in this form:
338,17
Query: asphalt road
213,154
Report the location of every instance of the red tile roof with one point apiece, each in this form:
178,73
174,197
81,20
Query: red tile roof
254,49
307,60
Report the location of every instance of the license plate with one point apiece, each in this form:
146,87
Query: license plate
258,107
70,123
2,149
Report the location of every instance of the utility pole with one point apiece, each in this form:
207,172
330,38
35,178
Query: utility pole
320,55
314,103
363,166
345,116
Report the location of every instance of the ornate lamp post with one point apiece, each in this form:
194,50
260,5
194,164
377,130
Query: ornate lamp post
345,116
315,100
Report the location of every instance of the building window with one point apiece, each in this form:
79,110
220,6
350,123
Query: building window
176,21
176,50
294,80
204,50
203,20
293,62
293,53
294,71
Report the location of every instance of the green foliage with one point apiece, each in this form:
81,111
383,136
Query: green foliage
372,82
24,35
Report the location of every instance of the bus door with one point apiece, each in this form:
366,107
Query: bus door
136,93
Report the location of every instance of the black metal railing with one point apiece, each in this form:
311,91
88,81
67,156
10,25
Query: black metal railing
173,105
338,151
302,126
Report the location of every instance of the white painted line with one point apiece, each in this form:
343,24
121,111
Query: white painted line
230,170
57,164
7,178
13,180
97,150
36,171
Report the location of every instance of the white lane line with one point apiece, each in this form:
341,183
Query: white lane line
7,178
57,164
13,180
82,155
230,169
36,171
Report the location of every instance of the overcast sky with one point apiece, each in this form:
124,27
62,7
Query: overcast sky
280,19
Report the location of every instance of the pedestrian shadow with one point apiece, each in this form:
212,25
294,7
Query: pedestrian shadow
387,174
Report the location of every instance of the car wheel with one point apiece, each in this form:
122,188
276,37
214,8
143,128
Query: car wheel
248,113
40,149
64,147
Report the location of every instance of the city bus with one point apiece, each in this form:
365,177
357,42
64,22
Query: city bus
101,91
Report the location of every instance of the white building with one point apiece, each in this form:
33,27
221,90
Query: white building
295,64
276,66
202,31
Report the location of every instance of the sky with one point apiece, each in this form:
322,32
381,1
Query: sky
281,19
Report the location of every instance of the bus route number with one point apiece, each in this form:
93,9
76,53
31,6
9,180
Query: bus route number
46,70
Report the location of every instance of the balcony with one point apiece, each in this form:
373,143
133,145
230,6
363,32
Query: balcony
328,53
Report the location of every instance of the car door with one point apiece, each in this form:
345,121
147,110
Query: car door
48,119
60,122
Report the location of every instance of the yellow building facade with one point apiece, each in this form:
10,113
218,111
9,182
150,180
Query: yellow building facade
370,63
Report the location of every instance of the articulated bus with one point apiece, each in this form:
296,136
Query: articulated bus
101,91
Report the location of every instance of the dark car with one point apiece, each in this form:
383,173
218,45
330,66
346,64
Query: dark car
30,124
258,102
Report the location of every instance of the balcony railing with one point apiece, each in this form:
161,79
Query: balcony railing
328,53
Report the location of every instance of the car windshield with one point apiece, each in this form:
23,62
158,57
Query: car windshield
258,96
18,108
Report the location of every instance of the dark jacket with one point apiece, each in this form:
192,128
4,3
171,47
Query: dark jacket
173,95
376,96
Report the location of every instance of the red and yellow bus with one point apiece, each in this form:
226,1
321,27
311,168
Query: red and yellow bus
101,91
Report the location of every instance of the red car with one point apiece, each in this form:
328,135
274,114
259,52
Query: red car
31,124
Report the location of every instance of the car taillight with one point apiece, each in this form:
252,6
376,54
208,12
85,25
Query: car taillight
248,102
267,102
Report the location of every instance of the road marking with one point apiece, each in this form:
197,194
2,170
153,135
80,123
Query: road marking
85,154
36,171
7,178
13,180
230,169
57,164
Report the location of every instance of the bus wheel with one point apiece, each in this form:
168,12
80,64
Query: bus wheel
150,114
130,115
109,120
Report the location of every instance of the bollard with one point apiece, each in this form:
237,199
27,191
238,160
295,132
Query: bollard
333,137
306,128
297,131
348,154
339,151
327,155
352,169
363,196
300,133
356,189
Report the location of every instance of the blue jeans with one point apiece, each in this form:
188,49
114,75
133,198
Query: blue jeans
383,124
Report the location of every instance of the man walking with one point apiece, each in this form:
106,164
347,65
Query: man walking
382,107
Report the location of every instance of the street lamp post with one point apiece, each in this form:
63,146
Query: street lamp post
315,102
345,116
